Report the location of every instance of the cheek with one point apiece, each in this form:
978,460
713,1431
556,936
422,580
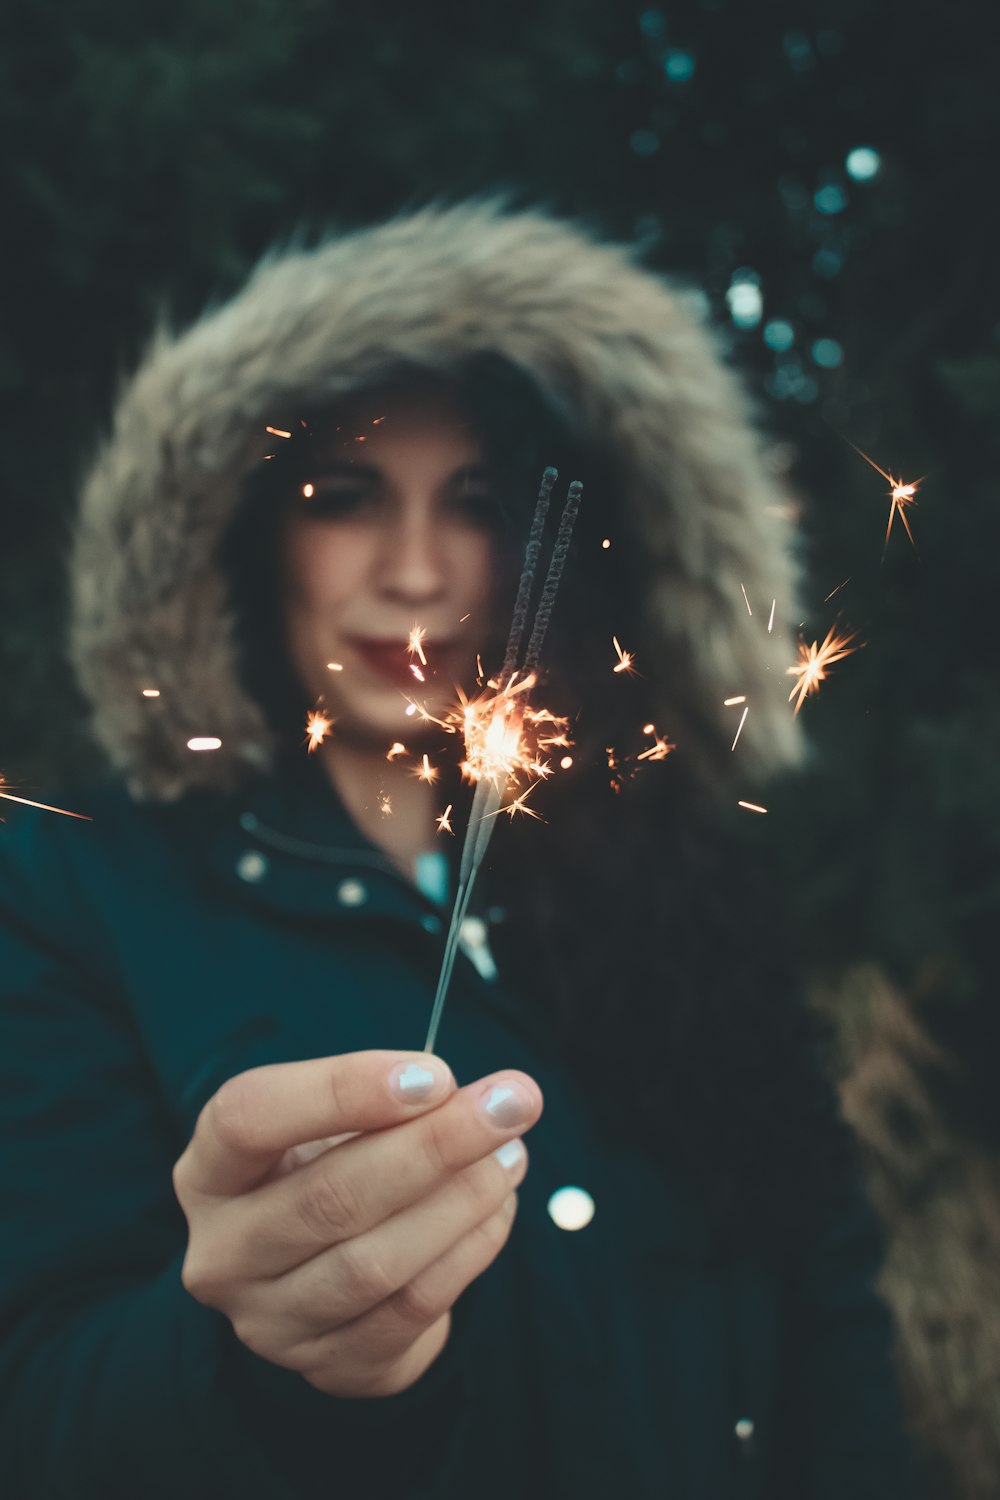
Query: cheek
319,568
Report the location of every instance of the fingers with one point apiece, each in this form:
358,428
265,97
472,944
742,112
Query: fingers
362,1305
364,1182
253,1119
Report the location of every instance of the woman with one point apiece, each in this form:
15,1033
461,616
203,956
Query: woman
241,1263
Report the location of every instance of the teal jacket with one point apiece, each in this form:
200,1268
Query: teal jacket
151,954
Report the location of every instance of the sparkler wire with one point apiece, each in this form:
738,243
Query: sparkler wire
489,794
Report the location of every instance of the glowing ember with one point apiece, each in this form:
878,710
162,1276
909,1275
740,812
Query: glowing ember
901,495
444,821
308,491
426,771
43,806
814,661
396,748
649,728
414,645
334,666
463,618
410,710
566,762
417,672
752,807
277,432
659,750
204,742
625,658
740,730
728,702
318,726
384,803
606,543
150,692
837,589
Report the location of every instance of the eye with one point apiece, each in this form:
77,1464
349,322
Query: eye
331,499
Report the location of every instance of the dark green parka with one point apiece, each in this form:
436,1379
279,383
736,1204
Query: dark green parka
222,911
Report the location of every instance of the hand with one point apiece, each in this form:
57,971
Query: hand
344,1267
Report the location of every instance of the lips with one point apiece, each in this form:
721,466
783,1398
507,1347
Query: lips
392,660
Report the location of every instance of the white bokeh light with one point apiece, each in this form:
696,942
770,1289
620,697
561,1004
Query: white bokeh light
863,163
571,1208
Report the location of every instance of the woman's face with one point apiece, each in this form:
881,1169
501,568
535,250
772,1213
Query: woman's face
393,529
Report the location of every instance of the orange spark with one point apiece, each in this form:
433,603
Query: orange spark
44,806
444,821
334,666
837,589
385,803
318,726
426,771
752,807
414,645
625,658
396,748
463,618
746,601
728,702
659,750
150,692
901,494
770,623
811,667
205,742
277,432
649,728
606,543
417,672
566,762
740,730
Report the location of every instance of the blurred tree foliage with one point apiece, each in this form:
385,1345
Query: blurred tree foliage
819,169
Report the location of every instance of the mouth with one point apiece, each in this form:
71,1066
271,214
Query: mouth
393,662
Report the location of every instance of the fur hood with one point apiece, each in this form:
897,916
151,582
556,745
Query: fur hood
610,340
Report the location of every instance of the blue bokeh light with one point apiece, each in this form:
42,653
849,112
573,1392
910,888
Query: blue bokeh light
779,334
827,353
863,163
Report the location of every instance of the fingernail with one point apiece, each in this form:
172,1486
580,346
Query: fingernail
415,1082
507,1104
510,1153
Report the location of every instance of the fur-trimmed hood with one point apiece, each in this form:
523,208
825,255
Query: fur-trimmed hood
601,335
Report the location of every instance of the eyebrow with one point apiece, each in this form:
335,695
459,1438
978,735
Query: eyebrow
369,471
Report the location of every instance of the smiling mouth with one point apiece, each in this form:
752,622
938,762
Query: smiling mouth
392,660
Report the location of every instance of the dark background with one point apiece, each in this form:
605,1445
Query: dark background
152,152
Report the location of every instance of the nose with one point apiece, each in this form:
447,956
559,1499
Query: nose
411,566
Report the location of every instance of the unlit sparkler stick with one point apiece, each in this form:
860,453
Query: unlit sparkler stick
490,790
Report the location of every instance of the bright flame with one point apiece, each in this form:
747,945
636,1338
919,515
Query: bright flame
318,726
396,748
814,661
625,658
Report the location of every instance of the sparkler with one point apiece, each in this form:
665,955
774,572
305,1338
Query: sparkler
625,659
812,666
495,728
